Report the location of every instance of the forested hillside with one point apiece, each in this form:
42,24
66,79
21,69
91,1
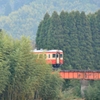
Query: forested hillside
8,6
22,17
76,33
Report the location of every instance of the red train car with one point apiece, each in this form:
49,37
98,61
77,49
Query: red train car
54,57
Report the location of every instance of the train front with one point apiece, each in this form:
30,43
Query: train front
55,57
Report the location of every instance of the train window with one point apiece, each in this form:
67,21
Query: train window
54,55
61,55
48,55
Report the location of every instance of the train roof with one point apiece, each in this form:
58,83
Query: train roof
42,50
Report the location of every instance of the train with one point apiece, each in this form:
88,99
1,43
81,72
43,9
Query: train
53,57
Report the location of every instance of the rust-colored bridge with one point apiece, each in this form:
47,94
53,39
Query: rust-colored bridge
86,75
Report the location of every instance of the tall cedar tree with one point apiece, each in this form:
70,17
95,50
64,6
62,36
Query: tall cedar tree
85,43
65,37
97,42
54,32
73,52
42,33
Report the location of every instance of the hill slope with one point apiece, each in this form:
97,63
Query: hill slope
22,17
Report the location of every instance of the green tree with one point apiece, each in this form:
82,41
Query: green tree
85,42
5,50
73,54
94,30
65,38
51,87
93,91
96,38
42,32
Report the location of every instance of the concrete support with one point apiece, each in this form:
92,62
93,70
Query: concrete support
84,86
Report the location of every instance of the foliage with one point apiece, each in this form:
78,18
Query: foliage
93,91
21,76
51,90
5,45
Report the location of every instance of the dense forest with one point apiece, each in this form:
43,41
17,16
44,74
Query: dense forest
23,78
76,33
21,17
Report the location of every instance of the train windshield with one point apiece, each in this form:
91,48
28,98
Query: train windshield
61,55
57,55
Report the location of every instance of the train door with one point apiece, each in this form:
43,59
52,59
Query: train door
58,58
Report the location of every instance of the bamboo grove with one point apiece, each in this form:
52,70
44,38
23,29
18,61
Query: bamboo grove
21,77
76,33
